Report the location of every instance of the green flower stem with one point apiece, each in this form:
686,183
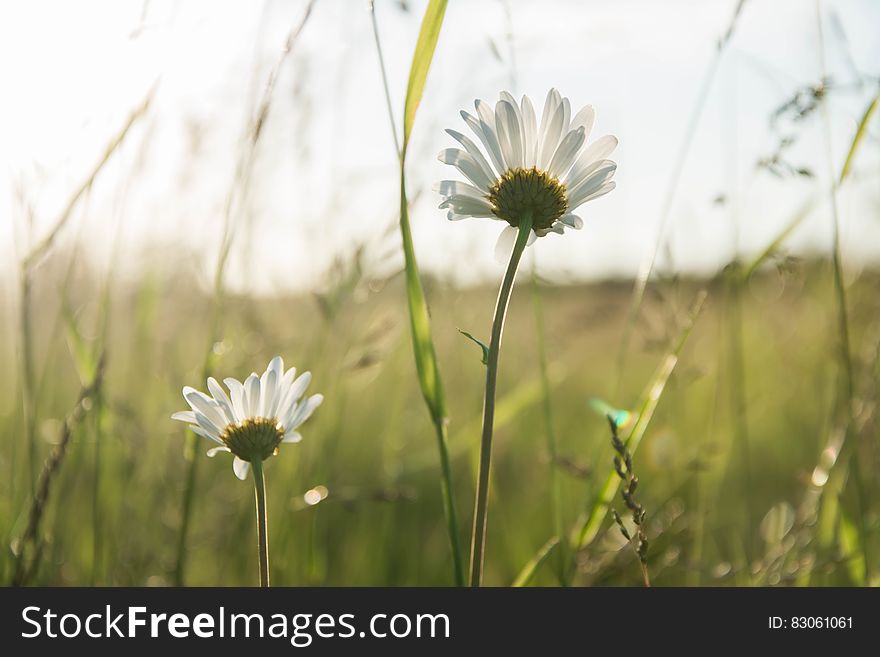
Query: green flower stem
478,540
262,534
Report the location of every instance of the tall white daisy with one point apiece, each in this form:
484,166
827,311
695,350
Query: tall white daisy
255,417
545,170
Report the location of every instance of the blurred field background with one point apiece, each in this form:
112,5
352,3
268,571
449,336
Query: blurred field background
151,234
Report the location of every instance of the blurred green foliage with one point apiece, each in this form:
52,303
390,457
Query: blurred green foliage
373,447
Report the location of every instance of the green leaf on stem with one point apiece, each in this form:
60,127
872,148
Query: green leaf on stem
482,345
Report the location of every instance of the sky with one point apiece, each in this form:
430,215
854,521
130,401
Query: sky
325,177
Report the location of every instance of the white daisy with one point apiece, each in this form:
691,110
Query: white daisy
255,417
546,170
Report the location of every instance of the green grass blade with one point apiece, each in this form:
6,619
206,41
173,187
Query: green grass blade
774,246
418,73
859,136
589,528
527,574
646,267
808,206
85,359
40,249
851,546
420,322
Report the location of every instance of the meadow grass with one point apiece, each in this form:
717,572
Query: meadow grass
753,399
382,522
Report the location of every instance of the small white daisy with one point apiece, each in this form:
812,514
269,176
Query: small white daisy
255,417
547,170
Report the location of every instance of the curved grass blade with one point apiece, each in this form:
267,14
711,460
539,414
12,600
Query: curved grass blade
589,526
420,323
527,574
421,63
851,546
857,139
646,267
808,206
774,246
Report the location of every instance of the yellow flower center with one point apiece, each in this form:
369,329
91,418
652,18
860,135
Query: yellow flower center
521,191
254,438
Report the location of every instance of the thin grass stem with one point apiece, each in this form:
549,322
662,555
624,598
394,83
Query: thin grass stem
29,546
549,428
847,384
646,268
385,85
28,391
738,404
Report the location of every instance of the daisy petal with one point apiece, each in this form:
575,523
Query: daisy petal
595,152
268,387
508,97
205,434
505,243
507,124
550,104
221,398
489,144
565,153
240,468
252,395
602,174
293,393
566,117
487,125
304,411
585,118
236,392
292,437
216,450
185,416
468,206
551,137
572,220
601,191
468,166
288,378
474,151
205,405
558,228
530,132
448,188
276,365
